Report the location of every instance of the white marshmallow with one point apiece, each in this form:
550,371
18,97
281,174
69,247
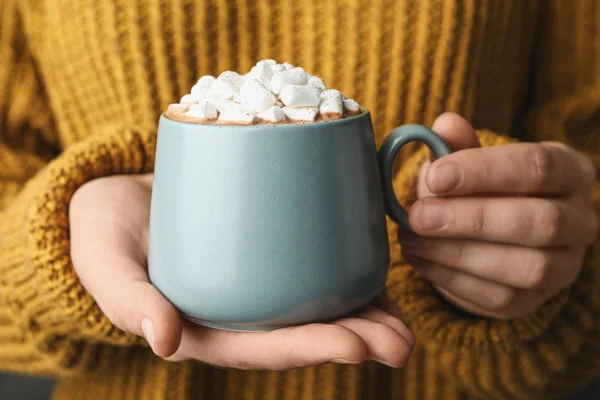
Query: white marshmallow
332,103
294,76
273,114
200,93
236,117
300,96
178,108
351,106
225,86
317,82
229,105
268,61
237,97
309,75
262,72
205,111
301,114
189,99
257,95
205,81
287,65
277,68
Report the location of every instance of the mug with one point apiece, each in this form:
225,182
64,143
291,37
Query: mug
259,227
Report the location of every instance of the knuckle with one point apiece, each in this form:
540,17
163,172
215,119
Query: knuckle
552,220
477,222
542,165
539,268
463,253
502,299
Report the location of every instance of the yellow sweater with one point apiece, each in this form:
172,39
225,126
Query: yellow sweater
83,82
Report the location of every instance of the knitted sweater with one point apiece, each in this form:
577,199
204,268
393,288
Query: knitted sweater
83,82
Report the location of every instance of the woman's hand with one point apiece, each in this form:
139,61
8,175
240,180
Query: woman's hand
109,247
501,229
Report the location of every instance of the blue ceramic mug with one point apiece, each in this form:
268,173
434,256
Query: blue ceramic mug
265,226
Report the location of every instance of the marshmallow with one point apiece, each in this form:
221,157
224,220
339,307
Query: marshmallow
200,93
229,105
300,96
351,106
224,87
178,108
277,68
205,81
309,75
237,97
257,95
287,65
237,117
332,103
262,72
317,82
301,114
273,114
189,99
203,111
268,61
294,76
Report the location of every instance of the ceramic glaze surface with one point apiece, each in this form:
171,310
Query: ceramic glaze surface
269,225
264,226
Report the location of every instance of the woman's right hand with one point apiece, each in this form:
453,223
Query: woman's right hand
109,222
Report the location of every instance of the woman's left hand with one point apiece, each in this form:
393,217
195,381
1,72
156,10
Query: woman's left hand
500,230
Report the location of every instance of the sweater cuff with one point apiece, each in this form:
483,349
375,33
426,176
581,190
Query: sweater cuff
431,317
49,306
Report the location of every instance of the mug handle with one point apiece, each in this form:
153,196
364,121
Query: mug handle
387,154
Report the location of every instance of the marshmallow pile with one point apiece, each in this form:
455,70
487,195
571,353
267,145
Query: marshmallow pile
269,93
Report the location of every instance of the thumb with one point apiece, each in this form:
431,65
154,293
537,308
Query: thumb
106,263
132,303
457,133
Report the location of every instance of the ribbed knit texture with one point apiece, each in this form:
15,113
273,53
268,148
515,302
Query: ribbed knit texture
88,80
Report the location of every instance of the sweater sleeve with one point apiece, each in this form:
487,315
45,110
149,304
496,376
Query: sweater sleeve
49,324
557,348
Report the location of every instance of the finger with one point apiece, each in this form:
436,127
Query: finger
483,293
378,315
388,305
385,345
281,349
516,266
525,221
523,304
458,135
133,305
525,168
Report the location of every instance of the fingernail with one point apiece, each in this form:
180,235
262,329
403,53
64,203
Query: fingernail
445,177
343,361
432,216
387,365
148,331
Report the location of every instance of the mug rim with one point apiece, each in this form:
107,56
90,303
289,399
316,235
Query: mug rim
348,120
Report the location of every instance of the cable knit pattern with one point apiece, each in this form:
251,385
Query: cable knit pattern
83,83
